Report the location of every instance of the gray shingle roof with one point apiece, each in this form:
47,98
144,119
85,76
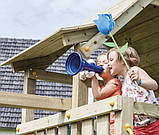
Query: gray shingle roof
13,82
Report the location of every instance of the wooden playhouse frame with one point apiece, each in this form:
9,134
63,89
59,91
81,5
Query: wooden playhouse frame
132,18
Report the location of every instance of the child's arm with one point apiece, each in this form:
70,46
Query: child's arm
136,73
100,93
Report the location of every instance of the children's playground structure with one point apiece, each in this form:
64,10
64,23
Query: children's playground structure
136,22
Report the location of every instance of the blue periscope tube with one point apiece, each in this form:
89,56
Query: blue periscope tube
75,63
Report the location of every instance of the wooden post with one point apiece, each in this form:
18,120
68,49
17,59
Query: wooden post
79,98
124,117
28,88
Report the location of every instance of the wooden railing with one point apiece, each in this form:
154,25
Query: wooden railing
123,107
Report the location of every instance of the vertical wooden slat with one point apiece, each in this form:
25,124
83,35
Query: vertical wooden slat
103,125
63,130
95,127
79,98
124,116
29,88
31,134
51,131
76,128
87,127
40,132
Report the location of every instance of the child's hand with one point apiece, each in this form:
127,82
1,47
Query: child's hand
133,76
83,75
90,74
86,74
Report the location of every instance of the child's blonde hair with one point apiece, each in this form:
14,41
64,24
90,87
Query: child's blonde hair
131,56
104,53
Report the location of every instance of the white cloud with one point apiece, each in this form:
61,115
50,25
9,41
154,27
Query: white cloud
38,19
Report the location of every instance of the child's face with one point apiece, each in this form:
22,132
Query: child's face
114,64
103,61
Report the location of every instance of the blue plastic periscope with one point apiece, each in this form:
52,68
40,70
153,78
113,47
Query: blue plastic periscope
75,63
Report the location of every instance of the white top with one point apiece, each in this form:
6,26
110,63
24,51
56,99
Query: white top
130,89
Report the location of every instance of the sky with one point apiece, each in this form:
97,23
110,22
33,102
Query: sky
38,19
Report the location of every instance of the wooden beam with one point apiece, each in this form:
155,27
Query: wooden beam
30,101
39,74
76,37
116,10
41,62
146,109
124,18
50,76
93,44
155,2
77,114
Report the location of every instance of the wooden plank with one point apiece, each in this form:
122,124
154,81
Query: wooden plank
41,132
41,62
153,71
63,130
29,88
150,58
124,18
103,125
55,77
155,2
51,76
78,36
147,44
147,14
124,116
140,31
51,131
34,101
116,10
77,114
32,134
87,127
76,128
40,51
93,44
146,109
